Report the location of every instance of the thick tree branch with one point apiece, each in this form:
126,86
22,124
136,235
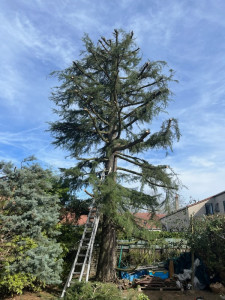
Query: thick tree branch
144,68
140,159
140,106
103,46
130,145
148,181
95,125
106,42
134,111
142,165
97,115
89,194
131,104
83,72
99,64
144,86
87,159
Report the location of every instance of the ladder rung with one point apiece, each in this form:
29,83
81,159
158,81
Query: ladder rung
84,252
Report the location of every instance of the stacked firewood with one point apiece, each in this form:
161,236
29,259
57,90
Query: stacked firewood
155,283
124,284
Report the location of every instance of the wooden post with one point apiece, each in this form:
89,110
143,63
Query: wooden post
192,256
171,269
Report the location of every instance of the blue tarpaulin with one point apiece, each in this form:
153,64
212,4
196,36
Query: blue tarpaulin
132,276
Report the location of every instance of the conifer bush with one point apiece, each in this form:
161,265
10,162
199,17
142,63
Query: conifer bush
28,219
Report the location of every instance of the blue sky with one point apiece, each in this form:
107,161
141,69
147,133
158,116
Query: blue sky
40,36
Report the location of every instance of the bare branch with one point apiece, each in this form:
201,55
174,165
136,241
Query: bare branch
89,194
105,41
103,46
86,159
144,68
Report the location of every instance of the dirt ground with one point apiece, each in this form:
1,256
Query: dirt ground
32,296
177,295
153,295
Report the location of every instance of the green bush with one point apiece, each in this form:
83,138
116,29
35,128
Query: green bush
29,253
93,290
142,297
206,239
17,282
100,291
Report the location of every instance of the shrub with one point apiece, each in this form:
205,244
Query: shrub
30,255
207,241
100,291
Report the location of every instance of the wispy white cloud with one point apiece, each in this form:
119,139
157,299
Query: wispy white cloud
40,36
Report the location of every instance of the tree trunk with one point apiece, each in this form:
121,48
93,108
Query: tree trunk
107,257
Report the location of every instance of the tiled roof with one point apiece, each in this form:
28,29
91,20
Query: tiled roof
147,216
143,216
71,219
148,220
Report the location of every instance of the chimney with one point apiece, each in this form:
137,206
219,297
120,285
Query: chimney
176,202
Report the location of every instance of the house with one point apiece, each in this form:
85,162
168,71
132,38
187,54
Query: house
180,219
149,221
70,218
143,219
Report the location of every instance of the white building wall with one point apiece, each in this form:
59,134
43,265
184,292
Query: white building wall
180,220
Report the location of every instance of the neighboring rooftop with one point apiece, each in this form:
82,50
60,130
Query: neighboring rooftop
193,204
144,219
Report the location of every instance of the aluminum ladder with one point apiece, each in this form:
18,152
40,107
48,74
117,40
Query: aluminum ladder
84,253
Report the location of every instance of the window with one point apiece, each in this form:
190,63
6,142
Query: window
217,208
224,206
209,209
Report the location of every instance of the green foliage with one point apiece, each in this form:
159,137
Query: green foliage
142,297
101,100
151,236
207,241
100,291
69,240
31,255
93,290
106,102
17,282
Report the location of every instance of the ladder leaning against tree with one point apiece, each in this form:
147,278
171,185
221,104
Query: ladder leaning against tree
82,261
